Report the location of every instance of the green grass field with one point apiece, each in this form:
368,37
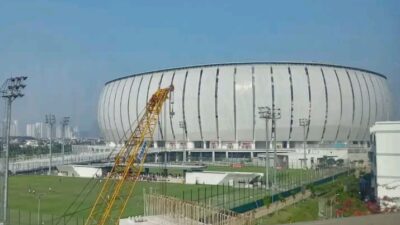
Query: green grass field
58,193
64,191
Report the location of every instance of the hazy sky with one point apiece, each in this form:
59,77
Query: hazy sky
69,49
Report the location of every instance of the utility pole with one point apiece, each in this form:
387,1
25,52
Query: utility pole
304,122
10,90
182,125
265,113
50,120
64,124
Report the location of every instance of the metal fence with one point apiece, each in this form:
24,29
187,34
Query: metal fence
42,161
19,217
244,192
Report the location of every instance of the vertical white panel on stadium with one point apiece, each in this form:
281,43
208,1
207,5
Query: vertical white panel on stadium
346,124
141,104
334,104
106,107
359,107
282,101
380,98
317,104
225,103
101,111
244,103
117,111
373,99
165,114
300,101
263,92
366,109
388,100
207,104
155,82
366,106
178,93
132,119
124,108
191,109
110,112
382,82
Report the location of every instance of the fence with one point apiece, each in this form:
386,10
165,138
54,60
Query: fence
18,217
241,193
180,212
42,161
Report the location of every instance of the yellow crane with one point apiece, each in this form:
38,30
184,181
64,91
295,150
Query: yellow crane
120,182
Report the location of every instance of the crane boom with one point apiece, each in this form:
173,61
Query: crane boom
120,183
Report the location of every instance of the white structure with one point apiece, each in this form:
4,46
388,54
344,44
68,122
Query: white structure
385,138
79,171
218,103
219,178
216,107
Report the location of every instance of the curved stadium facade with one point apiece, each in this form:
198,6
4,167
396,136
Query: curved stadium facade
216,106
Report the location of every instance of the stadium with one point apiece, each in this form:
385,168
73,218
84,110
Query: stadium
214,110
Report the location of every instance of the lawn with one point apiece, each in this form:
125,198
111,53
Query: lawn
59,192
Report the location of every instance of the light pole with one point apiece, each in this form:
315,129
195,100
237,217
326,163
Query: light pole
304,122
50,120
182,125
265,113
64,124
276,115
10,90
39,197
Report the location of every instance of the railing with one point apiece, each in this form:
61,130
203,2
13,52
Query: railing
19,217
245,192
42,161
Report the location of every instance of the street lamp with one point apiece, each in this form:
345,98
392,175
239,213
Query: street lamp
182,125
10,90
64,124
265,113
304,122
50,120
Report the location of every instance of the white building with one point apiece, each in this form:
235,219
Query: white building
386,162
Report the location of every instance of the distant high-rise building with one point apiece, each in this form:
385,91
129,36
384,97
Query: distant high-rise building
30,130
14,128
38,130
58,131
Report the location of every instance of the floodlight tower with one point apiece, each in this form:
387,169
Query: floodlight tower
10,90
64,124
304,122
50,120
265,113
276,115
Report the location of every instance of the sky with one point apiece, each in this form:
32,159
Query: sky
69,49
